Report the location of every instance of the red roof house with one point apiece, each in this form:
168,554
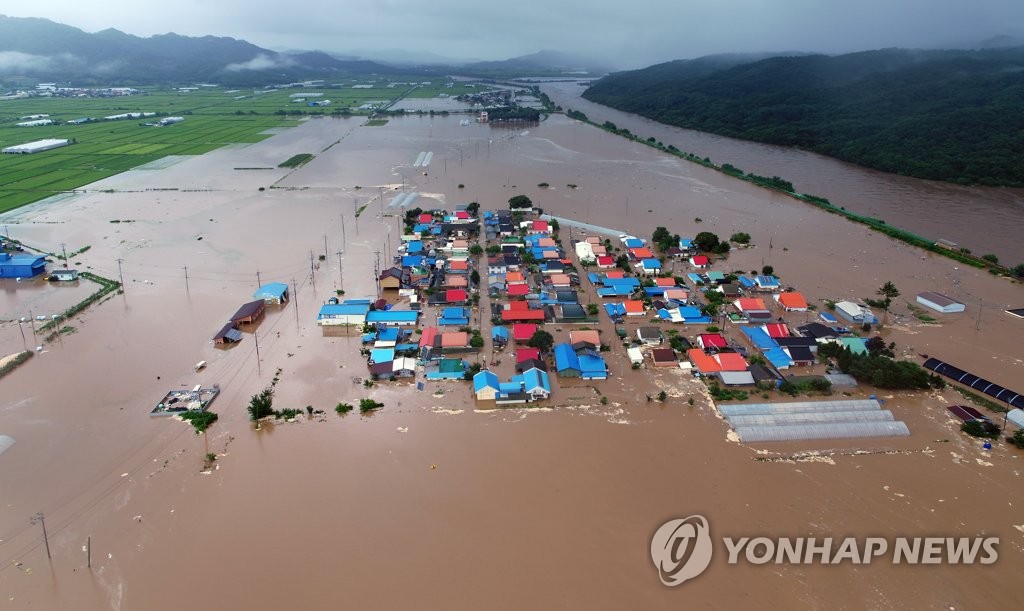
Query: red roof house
711,340
455,296
522,332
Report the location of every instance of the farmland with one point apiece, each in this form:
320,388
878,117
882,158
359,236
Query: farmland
214,117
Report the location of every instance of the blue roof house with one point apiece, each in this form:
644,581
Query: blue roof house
392,317
536,383
454,317
342,314
567,364
486,386
592,366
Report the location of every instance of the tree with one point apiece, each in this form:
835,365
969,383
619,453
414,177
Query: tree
1018,270
767,270
889,292
261,405
706,241
474,277
476,341
520,201
542,340
741,237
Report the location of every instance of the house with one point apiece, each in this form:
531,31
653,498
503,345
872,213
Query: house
527,354
228,334
527,364
766,283
454,317
382,371
522,332
776,330
455,281
664,357
393,278
703,363
458,266
652,336
560,281
573,312
753,309
518,289
539,227
496,265
486,386
586,363
817,331
454,340
634,307
605,262
272,293
800,355
522,315
729,290
429,343
735,378
21,265
381,355
63,275
455,296
650,267
535,383
351,314
393,317
730,361
700,261
636,356
940,302
716,278
639,254
593,336
249,313
499,336
711,340
792,301
567,364
446,369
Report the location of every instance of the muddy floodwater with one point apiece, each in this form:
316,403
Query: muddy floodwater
983,219
431,502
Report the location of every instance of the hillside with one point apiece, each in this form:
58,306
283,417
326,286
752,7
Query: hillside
44,50
944,115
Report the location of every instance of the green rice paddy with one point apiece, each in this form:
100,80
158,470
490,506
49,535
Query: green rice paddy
214,117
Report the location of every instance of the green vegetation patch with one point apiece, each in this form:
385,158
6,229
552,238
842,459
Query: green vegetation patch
296,160
376,123
200,420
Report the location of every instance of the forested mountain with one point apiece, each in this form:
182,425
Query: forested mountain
953,115
49,51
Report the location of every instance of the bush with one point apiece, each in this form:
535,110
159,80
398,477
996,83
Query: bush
1017,438
200,420
343,408
368,405
740,237
980,428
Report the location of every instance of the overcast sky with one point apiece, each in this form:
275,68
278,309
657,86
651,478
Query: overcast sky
629,34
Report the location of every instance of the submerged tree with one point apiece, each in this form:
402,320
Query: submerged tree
888,291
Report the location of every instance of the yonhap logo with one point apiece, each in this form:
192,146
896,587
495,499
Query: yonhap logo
681,549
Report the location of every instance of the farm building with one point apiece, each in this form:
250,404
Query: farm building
37,146
940,303
21,266
63,275
272,292
812,420
249,313
392,317
855,313
228,334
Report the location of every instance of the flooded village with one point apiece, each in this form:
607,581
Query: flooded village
557,339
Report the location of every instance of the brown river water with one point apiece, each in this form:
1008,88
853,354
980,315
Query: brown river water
430,502
983,219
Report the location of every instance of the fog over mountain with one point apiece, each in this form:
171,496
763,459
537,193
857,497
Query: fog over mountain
621,35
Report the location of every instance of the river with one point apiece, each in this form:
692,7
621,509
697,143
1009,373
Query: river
983,219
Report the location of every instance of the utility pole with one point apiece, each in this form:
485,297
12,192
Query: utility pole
24,342
119,274
341,276
259,369
186,278
376,272
32,325
46,540
88,552
64,250
295,299
259,282
343,241
312,276
325,246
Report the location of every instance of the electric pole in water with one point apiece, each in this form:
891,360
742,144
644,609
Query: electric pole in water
119,274
64,250
259,282
325,246
376,272
312,276
341,276
186,278
295,298
259,369
46,540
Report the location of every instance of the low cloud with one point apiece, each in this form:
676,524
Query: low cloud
20,63
261,62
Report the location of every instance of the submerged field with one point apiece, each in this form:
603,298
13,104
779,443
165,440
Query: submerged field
214,117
